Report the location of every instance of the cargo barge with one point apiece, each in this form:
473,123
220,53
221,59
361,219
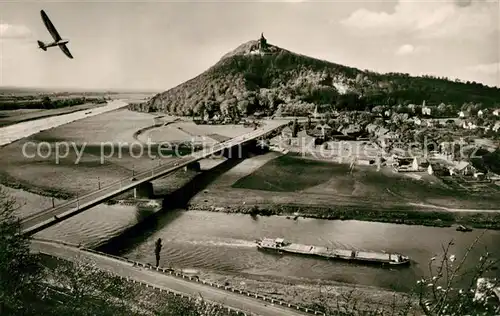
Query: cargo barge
281,246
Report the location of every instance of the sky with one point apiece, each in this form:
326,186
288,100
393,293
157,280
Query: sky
157,45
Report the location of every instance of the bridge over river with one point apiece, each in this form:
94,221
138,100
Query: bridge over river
46,218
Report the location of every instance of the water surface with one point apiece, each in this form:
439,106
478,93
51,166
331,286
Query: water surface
225,243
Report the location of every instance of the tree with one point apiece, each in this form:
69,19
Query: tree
440,293
295,128
181,307
46,102
90,291
243,107
20,272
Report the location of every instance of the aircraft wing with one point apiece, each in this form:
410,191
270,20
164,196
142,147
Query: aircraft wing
50,26
65,50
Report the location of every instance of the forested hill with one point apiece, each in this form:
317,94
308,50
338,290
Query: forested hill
258,76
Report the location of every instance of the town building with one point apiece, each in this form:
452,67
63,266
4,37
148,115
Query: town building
468,125
322,130
463,168
437,169
496,127
426,111
416,120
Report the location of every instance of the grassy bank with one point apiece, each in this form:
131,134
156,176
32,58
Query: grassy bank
103,293
408,216
15,183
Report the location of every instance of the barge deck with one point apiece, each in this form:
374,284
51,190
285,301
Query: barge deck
282,246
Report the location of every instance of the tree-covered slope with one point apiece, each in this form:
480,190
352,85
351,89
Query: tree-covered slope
272,79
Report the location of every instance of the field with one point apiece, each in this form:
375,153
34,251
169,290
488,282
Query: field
189,131
169,133
276,175
28,203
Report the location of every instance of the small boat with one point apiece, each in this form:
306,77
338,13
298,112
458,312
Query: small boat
151,205
281,246
462,228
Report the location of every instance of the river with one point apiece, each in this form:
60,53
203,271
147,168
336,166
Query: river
224,243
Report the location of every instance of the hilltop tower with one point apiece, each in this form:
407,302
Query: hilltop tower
263,43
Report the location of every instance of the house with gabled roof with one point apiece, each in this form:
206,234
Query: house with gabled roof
463,168
322,129
496,127
416,120
426,110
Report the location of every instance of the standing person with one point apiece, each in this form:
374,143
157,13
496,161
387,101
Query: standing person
157,251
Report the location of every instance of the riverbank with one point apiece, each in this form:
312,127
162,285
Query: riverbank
397,215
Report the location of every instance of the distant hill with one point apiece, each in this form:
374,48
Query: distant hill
258,76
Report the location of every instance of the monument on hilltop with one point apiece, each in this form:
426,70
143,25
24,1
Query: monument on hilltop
263,44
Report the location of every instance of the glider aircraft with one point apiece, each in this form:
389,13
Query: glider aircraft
58,41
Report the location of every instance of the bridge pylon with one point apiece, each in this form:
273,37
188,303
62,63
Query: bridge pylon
144,191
